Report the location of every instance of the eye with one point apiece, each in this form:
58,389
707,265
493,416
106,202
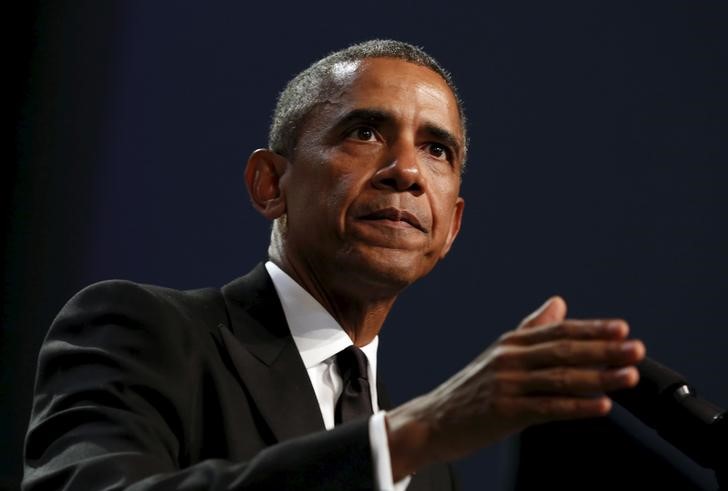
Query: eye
439,151
363,133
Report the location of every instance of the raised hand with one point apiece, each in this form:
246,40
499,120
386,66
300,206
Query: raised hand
549,368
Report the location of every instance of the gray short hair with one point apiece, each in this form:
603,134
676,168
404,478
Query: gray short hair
310,87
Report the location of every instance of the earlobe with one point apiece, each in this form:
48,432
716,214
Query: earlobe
263,175
455,223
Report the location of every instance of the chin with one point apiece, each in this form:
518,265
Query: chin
391,269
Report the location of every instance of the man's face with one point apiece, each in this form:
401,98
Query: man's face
372,189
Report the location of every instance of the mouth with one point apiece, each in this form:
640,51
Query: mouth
395,215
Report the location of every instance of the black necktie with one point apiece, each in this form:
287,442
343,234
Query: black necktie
355,400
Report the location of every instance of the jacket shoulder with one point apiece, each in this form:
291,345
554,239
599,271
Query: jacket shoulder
116,297
119,311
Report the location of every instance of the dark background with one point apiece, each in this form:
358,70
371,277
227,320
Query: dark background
597,171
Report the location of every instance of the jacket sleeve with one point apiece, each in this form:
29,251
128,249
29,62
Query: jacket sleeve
106,417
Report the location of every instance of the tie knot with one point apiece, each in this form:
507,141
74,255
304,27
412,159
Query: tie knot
352,363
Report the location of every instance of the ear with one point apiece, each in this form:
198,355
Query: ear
263,176
455,222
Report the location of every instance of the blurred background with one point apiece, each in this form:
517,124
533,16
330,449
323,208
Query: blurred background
598,171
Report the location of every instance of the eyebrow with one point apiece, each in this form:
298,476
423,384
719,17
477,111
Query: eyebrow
365,115
380,116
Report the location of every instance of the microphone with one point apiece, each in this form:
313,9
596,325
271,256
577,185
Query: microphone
665,401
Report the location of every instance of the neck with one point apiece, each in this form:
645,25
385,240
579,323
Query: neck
360,309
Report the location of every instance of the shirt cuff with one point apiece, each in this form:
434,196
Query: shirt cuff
380,456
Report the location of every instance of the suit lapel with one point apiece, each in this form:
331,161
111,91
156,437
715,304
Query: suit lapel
266,358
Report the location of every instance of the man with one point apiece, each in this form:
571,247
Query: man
142,387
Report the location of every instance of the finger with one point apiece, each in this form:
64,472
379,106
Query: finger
566,353
550,408
569,329
551,312
565,381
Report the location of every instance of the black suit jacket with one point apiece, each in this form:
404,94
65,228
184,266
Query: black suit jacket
142,387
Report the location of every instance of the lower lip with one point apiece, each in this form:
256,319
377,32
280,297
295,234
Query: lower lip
386,222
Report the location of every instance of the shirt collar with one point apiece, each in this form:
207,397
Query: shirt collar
318,336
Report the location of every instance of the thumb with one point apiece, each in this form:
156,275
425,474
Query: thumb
552,311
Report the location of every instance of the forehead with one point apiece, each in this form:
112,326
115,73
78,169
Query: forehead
408,90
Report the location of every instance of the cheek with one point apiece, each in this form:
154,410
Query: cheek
443,208
324,195
345,176
340,196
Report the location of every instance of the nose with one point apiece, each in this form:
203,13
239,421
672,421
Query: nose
401,173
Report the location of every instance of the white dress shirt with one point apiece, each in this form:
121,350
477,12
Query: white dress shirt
319,337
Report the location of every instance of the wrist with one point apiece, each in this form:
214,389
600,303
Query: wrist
409,438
